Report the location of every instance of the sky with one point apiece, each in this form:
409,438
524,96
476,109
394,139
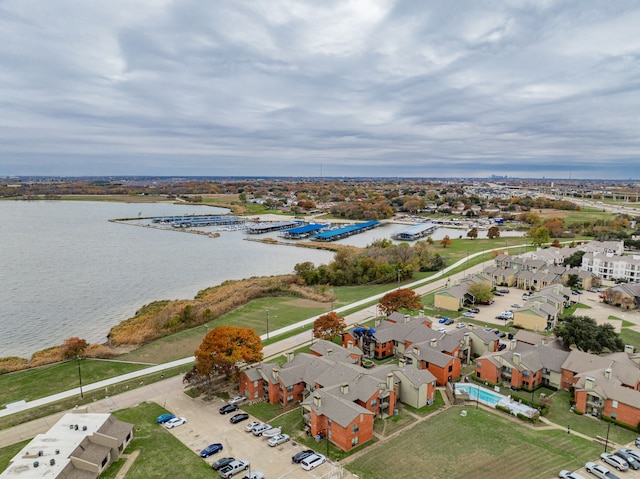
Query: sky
325,88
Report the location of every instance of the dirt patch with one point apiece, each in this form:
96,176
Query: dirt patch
305,303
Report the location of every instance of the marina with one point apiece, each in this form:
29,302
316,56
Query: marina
200,220
336,234
415,232
303,231
268,227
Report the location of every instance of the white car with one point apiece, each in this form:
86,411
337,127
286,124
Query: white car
460,325
175,422
615,461
254,475
442,330
564,474
516,305
251,425
274,431
260,428
279,439
236,399
599,471
468,314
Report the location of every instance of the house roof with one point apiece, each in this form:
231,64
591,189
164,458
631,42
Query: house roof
336,408
324,348
609,387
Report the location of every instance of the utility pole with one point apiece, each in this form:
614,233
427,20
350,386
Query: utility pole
80,377
267,323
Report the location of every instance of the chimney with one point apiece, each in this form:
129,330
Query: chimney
466,339
329,351
629,349
588,383
421,313
344,388
607,373
433,343
390,381
402,362
513,344
416,351
516,358
406,318
536,305
274,373
349,344
289,356
317,400
377,321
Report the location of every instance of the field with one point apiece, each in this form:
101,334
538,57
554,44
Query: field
480,445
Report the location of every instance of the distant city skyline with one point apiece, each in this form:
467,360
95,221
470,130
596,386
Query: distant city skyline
361,88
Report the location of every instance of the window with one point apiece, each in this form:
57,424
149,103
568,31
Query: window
289,388
525,373
355,428
290,398
614,404
329,422
354,441
479,364
374,402
255,394
450,368
255,384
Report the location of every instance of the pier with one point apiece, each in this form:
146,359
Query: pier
415,232
333,235
303,231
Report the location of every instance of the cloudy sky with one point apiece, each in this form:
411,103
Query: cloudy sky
320,88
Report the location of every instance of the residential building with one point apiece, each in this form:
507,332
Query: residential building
80,445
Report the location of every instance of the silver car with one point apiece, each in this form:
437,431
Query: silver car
564,474
615,461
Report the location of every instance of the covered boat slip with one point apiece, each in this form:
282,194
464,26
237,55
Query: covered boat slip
415,232
303,231
191,221
333,235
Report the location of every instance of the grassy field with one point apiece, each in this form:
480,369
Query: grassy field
37,382
480,445
161,454
6,453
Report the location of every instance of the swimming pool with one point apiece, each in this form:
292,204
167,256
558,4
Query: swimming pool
476,393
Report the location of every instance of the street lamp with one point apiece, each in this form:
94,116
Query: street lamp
268,312
606,441
477,395
80,377
398,271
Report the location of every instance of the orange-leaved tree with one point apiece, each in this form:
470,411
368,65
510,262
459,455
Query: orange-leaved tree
73,347
328,326
224,348
446,241
398,299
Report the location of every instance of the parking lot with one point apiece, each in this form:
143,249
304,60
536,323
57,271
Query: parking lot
630,474
206,425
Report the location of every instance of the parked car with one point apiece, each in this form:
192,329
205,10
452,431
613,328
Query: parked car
312,461
164,418
510,336
443,320
442,330
301,455
175,422
254,475
235,419
615,461
228,408
251,425
631,452
280,439
211,449
233,468
497,293
220,463
488,303
236,399
502,347
637,442
629,458
449,322
503,290
468,314
516,305
599,471
564,474
259,429
460,325
576,292
474,310
274,431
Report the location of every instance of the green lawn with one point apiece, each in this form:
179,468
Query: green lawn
480,445
426,410
7,453
631,337
39,382
161,454
559,413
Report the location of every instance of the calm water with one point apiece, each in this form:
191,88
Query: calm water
65,270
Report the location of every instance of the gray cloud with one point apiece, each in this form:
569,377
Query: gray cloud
365,88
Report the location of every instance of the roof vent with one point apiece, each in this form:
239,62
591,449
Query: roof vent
36,463
52,462
84,428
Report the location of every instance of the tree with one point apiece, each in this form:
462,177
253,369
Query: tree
398,299
328,326
473,233
73,347
446,241
481,292
573,280
538,235
494,232
224,347
587,335
575,260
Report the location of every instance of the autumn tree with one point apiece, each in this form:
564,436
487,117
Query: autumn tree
538,235
224,348
73,347
473,233
446,241
398,299
328,326
494,232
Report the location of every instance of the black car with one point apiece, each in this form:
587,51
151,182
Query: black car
301,455
228,408
220,463
243,416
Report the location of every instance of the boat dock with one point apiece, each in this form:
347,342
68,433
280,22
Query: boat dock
303,231
415,232
191,221
333,235
259,228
